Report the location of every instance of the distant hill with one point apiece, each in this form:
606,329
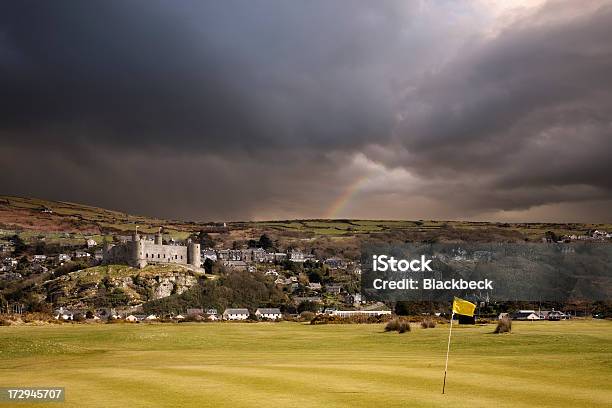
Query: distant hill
59,220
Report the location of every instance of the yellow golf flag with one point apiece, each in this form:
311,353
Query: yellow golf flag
463,307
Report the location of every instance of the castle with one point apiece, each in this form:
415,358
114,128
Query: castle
140,251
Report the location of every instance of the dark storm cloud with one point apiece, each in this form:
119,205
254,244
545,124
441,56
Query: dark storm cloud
522,119
267,109
212,75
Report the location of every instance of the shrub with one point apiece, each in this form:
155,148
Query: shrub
306,316
393,325
398,325
356,319
428,323
504,325
404,327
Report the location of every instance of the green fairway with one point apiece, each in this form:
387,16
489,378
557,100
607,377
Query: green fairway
544,364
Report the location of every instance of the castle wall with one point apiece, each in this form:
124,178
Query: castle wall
140,252
155,253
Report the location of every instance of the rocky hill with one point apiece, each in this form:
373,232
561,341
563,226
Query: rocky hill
119,285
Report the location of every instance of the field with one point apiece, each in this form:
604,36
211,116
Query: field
544,364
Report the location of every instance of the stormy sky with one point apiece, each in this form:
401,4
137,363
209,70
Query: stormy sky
240,110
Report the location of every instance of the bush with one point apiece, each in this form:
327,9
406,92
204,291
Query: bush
398,325
504,325
428,323
404,327
356,319
306,316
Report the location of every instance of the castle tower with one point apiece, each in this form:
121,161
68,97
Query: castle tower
136,251
159,237
193,254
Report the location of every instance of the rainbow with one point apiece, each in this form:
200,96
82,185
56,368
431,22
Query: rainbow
343,199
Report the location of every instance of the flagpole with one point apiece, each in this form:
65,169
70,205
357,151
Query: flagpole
450,331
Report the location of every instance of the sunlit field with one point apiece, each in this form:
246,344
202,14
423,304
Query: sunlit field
543,364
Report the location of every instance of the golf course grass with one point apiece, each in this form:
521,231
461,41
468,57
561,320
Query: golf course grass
543,364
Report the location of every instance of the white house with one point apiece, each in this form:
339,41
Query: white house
526,315
81,254
269,313
40,258
151,317
91,243
296,256
63,314
314,286
212,314
236,314
208,254
557,315
131,318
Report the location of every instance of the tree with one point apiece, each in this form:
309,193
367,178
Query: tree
316,275
20,246
205,240
307,306
551,236
208,265
265,242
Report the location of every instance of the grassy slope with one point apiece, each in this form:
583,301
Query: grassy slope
547,364
23,216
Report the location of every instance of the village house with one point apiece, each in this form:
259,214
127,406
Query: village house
63,258
10,276
212,314
314,286
99,255
557,315
238,265
275,256
7,248
269,313
195,312
236,314
90,243
296,255
526,315
81,254
8,261
209,253
40,258
335,263
333,289
258,255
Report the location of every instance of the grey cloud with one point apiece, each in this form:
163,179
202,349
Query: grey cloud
518,116
240,109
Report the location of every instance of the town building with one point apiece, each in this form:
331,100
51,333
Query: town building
236,314
269,313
